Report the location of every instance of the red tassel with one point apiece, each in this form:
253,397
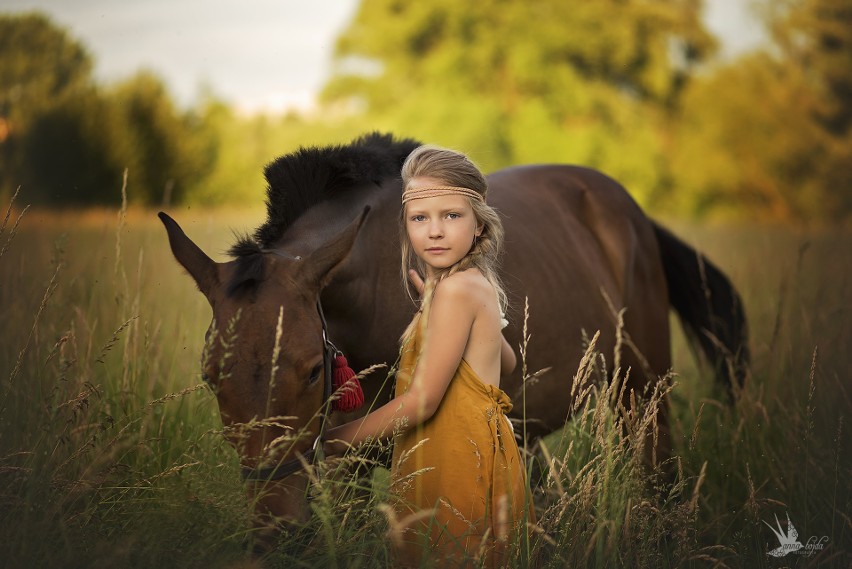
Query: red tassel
352,396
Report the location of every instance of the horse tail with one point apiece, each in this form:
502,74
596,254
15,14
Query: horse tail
710,309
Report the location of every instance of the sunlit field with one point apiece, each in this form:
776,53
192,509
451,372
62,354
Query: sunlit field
111,452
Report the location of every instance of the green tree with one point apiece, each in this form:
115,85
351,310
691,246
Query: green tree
517,49
522,81
68,141
816,38
170,151
743,144
41,66
769,134
74,153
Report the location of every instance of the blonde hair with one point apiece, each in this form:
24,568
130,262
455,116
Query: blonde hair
453,169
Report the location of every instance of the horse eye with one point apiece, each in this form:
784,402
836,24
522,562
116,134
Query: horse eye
316,372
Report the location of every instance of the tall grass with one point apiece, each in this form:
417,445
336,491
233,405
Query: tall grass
99,463
112,454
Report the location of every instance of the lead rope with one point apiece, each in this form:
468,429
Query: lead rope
317,450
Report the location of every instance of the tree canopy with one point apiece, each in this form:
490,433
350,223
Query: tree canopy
513,50
628,86
68,140
524,81
769,134
40,67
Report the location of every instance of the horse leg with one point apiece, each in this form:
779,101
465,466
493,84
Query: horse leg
644,411
646,352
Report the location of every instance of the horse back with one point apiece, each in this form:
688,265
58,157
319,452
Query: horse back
581,250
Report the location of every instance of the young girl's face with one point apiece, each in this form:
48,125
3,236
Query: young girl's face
441,229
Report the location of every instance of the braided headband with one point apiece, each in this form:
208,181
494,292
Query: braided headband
433,191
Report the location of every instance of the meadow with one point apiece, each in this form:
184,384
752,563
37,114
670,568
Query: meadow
111,451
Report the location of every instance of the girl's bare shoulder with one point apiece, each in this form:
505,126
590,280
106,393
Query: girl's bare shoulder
474,284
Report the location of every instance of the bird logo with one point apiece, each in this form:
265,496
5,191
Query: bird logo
789,540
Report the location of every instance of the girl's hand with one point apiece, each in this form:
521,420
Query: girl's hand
330,447
416,280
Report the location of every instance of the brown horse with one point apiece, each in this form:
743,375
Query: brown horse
576,245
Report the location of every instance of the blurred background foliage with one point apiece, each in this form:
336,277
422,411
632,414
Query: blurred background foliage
634,88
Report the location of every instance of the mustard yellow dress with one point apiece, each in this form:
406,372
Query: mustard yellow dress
458,478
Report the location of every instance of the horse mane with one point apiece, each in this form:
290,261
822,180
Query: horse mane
300,180
249,270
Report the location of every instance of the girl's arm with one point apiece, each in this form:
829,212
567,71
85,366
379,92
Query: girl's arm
450,321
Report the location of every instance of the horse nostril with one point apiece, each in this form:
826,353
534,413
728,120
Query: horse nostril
210,372
207,372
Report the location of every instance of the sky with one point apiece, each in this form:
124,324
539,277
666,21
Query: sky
260,55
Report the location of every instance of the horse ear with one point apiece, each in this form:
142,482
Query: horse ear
321,265
200,267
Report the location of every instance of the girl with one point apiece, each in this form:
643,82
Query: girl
457,470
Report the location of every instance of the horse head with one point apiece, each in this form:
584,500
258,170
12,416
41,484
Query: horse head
264,358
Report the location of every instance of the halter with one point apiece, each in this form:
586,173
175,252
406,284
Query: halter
285,469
